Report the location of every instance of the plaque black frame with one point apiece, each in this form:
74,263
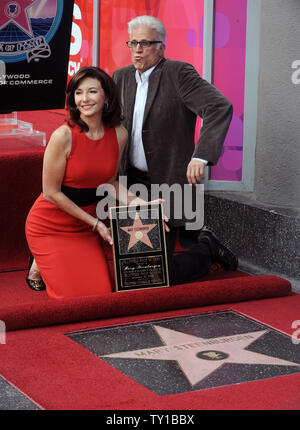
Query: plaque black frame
131,266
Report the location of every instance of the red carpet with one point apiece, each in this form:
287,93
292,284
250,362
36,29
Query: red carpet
59,374
49,312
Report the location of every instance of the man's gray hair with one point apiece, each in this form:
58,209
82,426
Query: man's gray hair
149,22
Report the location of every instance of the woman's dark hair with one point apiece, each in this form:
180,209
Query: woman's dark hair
111,114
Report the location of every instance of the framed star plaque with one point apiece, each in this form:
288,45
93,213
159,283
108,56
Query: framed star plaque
140,259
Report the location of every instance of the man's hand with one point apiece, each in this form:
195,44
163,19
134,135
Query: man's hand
195,172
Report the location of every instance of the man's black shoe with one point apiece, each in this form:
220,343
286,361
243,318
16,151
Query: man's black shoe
219,252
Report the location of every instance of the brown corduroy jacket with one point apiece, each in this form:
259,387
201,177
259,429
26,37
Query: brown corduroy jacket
176,96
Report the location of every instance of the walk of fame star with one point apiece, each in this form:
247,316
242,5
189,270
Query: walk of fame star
16,12
139,232
198,357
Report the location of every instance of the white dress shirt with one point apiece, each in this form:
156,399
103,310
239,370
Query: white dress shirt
137,154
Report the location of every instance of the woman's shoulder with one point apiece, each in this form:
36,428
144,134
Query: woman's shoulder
62,132
61,138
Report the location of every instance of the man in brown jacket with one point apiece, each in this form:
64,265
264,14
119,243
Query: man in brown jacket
161,100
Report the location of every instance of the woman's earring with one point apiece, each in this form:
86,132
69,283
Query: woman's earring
106,106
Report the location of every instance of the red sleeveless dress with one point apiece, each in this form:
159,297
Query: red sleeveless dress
68,253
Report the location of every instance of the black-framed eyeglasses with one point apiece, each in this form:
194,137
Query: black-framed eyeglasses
142,43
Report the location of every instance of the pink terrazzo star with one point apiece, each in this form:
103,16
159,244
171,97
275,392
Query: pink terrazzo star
139,232
199,357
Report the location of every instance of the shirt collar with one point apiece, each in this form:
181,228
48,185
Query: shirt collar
144,76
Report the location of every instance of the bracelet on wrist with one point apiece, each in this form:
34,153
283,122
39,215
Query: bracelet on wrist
95,224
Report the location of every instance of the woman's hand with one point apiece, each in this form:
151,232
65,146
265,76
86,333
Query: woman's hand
104,232
165,219
137,201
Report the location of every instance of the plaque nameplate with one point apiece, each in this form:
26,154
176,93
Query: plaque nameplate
140,259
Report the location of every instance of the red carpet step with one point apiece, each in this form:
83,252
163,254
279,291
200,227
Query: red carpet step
220,291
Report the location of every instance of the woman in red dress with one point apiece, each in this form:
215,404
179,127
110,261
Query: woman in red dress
62,228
